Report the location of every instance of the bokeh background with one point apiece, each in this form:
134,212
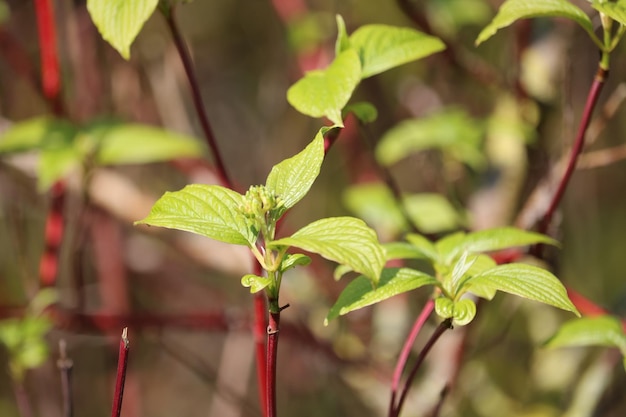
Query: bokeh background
189,317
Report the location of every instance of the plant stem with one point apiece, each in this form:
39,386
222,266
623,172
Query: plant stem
65,368
185,57
443,326
406,351
579,142
21,398
259,332
50,71
122,363
273,329
53,236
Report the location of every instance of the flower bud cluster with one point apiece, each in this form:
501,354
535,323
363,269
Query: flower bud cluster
262,208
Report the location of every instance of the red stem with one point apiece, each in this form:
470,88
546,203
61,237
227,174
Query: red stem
579,142
406,351
53,236
50,72
272,355
260,331
443,326
122,364
185,57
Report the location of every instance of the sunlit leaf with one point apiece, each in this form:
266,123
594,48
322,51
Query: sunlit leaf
345,240
37,134
526,281
292,178
119,21
343,42
452,131
255,282
423,245
393,281
383,47
324,93
513,10
208,210
616,10
121,143
462,311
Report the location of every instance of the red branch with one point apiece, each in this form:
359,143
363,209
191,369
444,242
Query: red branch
50,72
122,364
53,236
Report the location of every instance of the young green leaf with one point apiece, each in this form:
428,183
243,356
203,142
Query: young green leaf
326,92
432,213
292,178
364,111
374,203
462,311
462,266
513,10
345,240
393,281
615,10
208,210
590,331
424,246
383,47
119,21
291,261
55,164
402,250
120,143
526,281
342,43
255,282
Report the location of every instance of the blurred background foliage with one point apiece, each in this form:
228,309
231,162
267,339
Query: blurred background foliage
497,118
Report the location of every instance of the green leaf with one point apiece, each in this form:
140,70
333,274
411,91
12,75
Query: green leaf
393,281
291,261
55,164
119,21
423,245
459,270
345,240
615,10
462,311
432,213
364,111
513,10
42,300
402,250
383,47
342,43
590,331
480,264
326,92
374,203
208,210
120,143
526,281
32,354
452,131
255,282
292,178
10,333
448,248
340,271
37,134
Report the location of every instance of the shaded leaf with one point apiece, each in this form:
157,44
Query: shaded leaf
526,281
451,130
374,203
432,213
615,10
37,134
345,240
122,143
208,210
119,21
590,331
326,92
364,111
291,261
513,10
383,47
393,281
292,178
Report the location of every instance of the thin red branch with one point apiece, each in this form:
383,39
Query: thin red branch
122,365
273,329
579,142
443,326
50,70
406,351
185,57
53,236
259,333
